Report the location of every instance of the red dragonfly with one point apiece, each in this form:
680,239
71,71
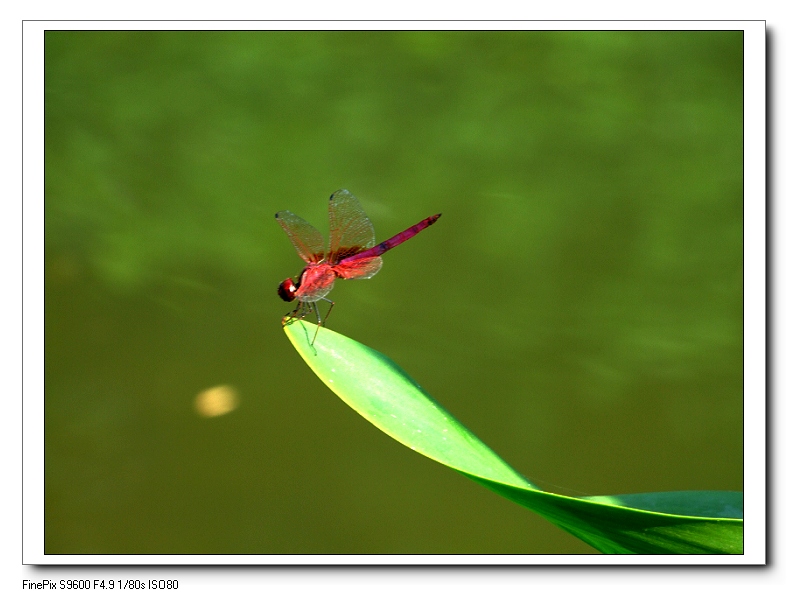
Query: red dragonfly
352,252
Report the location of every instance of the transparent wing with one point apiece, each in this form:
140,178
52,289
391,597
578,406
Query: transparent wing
307,240
359,269
351,229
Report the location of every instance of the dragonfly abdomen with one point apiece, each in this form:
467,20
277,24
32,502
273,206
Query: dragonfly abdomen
396,240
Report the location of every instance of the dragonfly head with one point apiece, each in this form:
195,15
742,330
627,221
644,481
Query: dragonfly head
287,290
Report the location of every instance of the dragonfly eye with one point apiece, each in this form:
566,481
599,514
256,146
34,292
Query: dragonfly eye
287,290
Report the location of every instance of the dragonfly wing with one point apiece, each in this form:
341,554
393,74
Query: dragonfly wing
351,229
359,269
316,294
307,240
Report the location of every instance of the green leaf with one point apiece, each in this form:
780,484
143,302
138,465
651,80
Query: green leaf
379,390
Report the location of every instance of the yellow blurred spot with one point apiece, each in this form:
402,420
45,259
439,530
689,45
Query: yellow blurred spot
216,401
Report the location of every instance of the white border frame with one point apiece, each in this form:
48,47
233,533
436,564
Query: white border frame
754,287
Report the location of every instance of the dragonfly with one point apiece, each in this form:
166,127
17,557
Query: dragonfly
352,253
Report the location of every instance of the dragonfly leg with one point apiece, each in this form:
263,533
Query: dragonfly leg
300,312
321,321
305,308
291,316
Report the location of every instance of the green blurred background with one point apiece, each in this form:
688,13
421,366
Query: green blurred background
578,306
